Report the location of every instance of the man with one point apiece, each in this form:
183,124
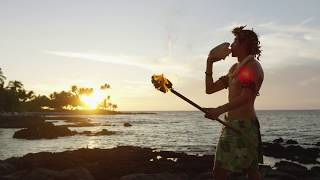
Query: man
238,152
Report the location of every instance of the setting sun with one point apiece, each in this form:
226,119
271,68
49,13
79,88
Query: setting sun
93,100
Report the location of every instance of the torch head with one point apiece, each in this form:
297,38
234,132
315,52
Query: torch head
161,83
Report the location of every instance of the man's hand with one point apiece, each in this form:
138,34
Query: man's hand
213,113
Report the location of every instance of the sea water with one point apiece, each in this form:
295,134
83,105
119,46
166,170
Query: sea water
180,131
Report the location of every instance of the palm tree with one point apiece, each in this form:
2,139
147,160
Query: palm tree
105,86
74,89
85,91
15,85
114,107
2,78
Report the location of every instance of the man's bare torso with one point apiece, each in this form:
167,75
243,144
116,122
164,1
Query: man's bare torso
247,110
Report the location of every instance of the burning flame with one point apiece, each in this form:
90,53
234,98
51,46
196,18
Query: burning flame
161,83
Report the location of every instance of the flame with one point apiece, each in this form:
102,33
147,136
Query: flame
161,83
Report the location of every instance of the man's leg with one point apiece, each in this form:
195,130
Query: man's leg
219,173
253,174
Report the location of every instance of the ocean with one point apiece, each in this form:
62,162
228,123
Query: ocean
178,131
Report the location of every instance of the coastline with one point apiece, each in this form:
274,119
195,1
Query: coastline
131,163
291,155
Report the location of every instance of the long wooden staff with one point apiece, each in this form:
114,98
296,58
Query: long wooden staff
164,85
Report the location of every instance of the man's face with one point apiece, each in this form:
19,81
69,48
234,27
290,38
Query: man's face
236,47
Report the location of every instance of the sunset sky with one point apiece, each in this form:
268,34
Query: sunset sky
51,45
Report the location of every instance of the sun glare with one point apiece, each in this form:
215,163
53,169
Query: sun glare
92,101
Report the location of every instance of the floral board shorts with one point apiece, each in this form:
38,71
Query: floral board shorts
236,152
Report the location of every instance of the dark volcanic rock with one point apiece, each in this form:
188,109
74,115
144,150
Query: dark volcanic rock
274,150
129,163
292,168
291,152
104,132
126,124
6,168
157,176
113,163
279,140
302,155
315,171
74,174
44,130
290,141
279,175
264,169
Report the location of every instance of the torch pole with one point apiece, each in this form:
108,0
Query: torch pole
202,109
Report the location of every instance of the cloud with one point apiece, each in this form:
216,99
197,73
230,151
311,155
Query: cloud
173,67
309,81
282,43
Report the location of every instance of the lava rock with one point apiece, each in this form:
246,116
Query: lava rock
279,175
74,174
279,140
291,152
274,150
157,176
290,141
127,162
104,132
315,171
126,124
292,168
6,168
43,131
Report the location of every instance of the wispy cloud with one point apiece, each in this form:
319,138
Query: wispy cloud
168,65
282,43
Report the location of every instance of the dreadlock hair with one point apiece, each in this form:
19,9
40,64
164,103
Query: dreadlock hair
250,38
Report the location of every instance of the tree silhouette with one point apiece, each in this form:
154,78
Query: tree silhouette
62,99
114,107
105,86
15,98
74,89
15,85
2,79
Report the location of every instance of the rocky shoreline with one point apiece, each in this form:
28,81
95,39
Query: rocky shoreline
136,163
132,163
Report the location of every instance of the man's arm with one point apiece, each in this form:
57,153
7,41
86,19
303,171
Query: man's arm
211,86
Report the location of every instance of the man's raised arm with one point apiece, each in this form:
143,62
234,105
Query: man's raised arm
211,86
216,54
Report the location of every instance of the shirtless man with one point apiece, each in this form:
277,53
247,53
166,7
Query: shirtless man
238,152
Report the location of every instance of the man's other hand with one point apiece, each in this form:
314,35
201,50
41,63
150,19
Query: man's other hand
212,113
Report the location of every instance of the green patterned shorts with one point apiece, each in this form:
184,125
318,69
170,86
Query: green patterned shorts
237,152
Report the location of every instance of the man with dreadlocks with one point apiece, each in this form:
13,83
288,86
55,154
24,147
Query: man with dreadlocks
238,152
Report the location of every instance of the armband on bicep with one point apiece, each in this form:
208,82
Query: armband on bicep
250,85
246,78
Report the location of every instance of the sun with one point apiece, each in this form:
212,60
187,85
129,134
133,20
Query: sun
93,100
